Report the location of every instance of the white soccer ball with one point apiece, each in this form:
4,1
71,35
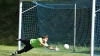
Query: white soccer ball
66,46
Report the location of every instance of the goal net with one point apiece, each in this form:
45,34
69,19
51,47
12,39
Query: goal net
56,19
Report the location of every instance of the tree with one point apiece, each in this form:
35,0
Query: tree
9,12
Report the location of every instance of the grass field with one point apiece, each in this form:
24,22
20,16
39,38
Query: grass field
80,51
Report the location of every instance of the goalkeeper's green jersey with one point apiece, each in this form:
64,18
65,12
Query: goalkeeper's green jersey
36,42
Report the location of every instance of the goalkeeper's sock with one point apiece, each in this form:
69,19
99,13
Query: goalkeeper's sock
13,54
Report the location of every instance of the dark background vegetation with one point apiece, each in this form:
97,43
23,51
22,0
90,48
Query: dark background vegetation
9,16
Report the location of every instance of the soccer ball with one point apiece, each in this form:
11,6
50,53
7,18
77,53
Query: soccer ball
66,46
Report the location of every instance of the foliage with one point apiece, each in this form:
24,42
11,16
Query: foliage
8,21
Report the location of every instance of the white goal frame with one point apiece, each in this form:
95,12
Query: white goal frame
20,21
93,25
94,11
92,28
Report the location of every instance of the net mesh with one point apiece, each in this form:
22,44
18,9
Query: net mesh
53,21
56,19
97,29
29,22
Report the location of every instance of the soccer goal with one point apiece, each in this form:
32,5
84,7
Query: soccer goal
65,22
54,12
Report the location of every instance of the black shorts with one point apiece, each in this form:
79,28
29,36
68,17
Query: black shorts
27,46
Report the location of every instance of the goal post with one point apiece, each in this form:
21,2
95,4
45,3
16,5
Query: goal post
95,35
92,29
20,24
74,28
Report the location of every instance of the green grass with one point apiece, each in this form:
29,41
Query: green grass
80,51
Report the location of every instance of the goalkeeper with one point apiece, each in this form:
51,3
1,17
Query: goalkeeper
33,43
